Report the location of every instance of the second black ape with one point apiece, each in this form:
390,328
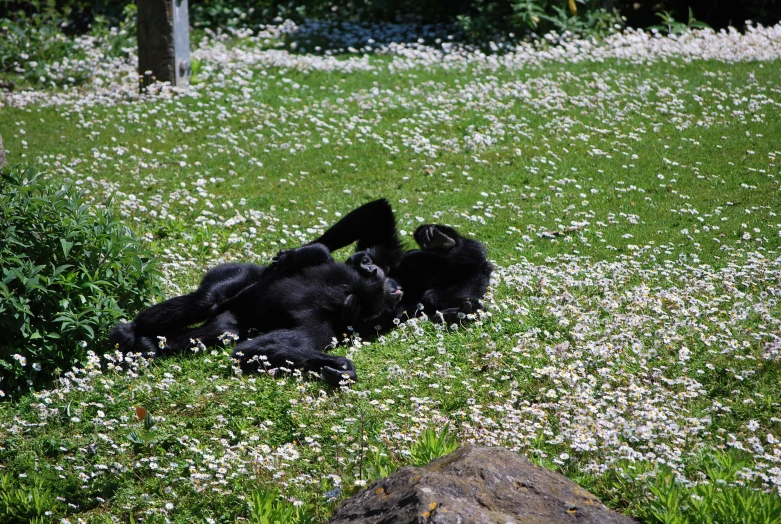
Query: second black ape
445,278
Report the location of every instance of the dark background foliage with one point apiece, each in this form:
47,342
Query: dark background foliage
478,16
716,13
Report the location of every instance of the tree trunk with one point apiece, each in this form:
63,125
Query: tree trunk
163,42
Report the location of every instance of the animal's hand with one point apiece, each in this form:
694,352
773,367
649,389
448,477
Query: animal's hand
345,372
430,237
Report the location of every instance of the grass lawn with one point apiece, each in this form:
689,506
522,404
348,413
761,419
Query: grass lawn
629,198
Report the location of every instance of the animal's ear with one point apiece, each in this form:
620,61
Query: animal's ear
351,309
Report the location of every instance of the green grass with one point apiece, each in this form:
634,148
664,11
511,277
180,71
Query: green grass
704,169
635,344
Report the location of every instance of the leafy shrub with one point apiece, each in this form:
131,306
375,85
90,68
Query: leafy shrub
523,18
722,493
267,507
24,501
671,26
31,42
69,271
117,37
478,18
38,50
432,445
717,500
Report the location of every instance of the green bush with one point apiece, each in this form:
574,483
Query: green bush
719,499
69,271
431,445
267,507
527,18
31,42
479,19
36,49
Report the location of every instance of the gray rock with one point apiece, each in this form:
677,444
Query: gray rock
478,485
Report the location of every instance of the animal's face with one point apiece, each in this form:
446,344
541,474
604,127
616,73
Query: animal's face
379,293
367,263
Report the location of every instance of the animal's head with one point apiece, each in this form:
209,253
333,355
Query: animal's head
374,292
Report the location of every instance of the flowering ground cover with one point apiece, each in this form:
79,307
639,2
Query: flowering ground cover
628,194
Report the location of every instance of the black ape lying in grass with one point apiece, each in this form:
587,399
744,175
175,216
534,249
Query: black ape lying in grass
295,307
445,278
292,309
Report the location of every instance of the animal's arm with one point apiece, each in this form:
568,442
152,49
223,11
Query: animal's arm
300,348
292,261
371,225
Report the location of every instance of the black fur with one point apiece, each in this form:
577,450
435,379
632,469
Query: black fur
448,275
284,315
